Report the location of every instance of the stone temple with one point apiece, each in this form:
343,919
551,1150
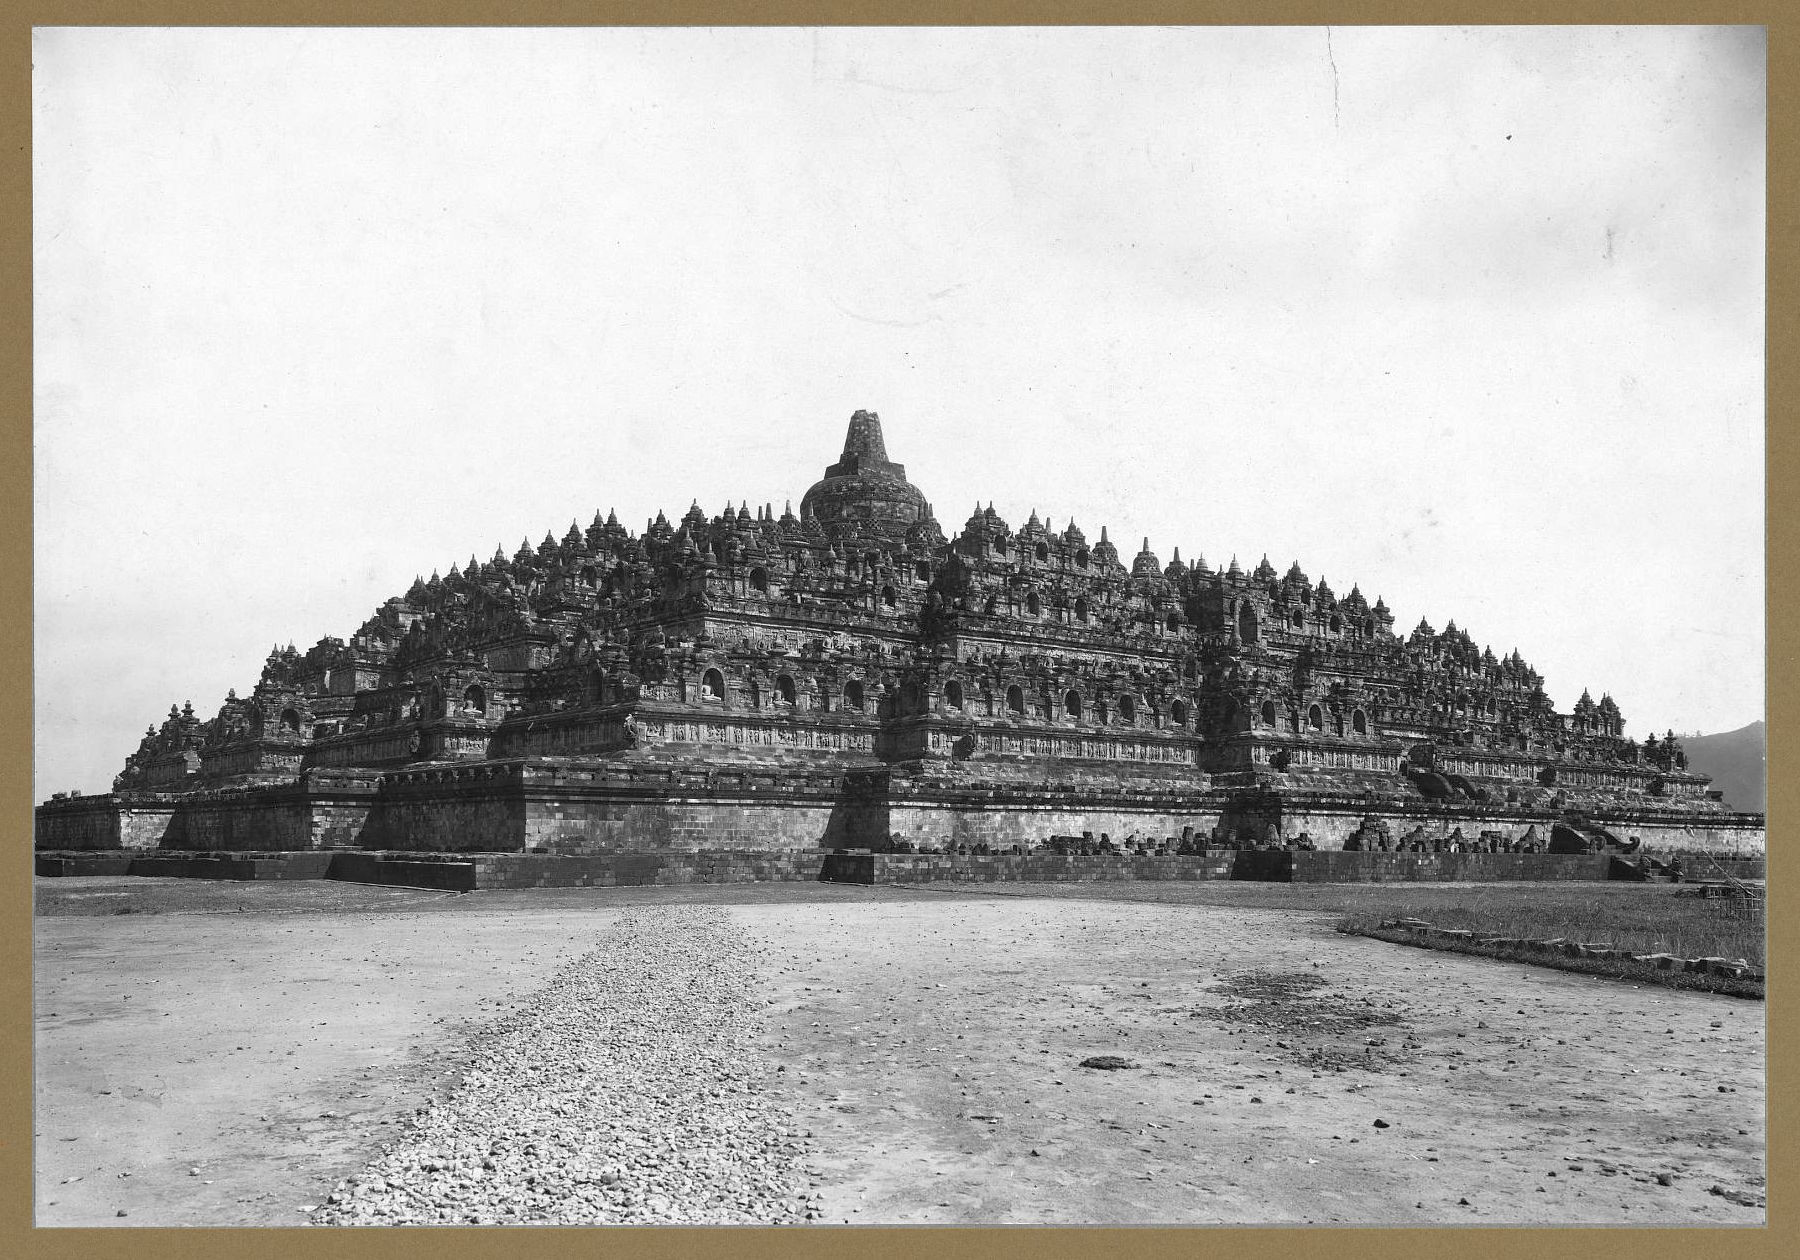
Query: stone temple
849,676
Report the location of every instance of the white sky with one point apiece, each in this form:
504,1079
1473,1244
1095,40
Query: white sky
1470,317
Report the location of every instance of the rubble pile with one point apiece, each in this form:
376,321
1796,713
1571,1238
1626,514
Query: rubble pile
630,1090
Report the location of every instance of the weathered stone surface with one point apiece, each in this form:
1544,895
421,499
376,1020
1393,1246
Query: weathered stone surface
853,677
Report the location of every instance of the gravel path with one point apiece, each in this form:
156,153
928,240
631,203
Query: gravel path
630,1090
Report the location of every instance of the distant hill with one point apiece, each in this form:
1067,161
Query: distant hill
1736,762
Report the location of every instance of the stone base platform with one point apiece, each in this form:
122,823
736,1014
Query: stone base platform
466,872
1267,866
181,865
592,808
456,872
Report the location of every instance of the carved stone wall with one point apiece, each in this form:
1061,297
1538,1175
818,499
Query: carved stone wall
725,681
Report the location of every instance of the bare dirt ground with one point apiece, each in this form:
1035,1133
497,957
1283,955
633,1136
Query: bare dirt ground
221,1068
942,1036
200,1064
226,1051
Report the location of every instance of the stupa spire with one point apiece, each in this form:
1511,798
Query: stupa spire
863,440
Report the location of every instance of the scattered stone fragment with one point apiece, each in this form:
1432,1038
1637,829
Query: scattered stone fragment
630,1090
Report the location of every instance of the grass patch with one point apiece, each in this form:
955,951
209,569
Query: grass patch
1645,918
1653,922
1610,968
1642,918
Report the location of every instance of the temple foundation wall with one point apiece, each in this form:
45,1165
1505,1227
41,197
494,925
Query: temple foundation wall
597,809
250,824
286,817
591,810
88,822
1329,827
1003,825
682,825
1723,840
147,828
451,823
101,823
1265,865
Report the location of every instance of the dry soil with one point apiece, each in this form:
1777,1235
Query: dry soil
211,1066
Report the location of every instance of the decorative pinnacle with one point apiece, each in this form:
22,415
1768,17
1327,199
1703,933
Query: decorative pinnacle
863,439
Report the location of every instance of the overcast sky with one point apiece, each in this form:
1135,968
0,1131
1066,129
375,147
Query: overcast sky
1470,317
